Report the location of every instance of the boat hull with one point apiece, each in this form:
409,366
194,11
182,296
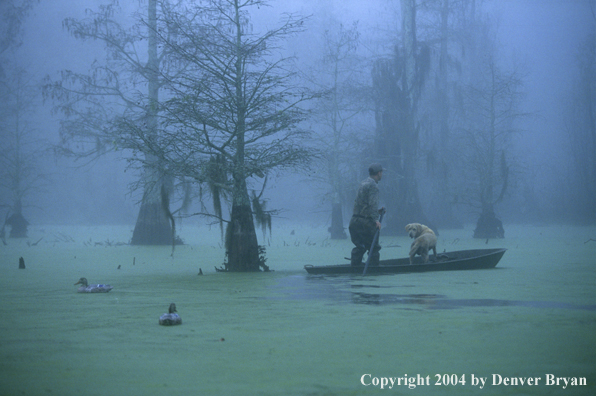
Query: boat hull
449,261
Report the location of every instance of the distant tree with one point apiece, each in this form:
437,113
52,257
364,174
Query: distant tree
12,15
126,85
20,170
339,74
581,131
447,26
397,86
491,111
233,116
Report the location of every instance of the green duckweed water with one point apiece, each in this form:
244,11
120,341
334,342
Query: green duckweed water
286,332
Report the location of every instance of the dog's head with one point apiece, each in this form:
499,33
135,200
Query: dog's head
414,230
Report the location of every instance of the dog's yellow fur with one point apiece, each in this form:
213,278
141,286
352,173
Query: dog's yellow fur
424,240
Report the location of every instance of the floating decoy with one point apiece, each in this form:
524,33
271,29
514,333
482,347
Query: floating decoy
171,318
87,288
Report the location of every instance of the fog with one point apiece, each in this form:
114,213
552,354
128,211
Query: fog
543,36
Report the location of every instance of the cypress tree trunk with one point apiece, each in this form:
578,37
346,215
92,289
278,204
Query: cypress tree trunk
18,224
488,226
242,246
153,226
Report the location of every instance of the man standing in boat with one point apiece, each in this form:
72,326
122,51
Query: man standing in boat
365,219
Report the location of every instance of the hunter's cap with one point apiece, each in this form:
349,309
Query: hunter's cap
375,168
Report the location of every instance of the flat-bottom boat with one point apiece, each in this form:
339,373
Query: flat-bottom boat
447,261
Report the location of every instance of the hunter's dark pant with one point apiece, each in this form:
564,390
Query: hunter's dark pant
362,233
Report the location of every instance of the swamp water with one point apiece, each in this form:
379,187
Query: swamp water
287,332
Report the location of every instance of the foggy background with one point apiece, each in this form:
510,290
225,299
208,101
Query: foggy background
542,35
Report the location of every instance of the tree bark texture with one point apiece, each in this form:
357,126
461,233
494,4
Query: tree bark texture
153,226
242,246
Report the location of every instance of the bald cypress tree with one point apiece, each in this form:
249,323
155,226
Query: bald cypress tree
232,115
20,173
125,84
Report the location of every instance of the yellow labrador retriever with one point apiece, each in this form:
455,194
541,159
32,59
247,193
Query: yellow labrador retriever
424,240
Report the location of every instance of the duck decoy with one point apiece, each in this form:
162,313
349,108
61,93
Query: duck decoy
171,318
87,288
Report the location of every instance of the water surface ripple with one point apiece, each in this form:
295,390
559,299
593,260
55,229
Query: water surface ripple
344,290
